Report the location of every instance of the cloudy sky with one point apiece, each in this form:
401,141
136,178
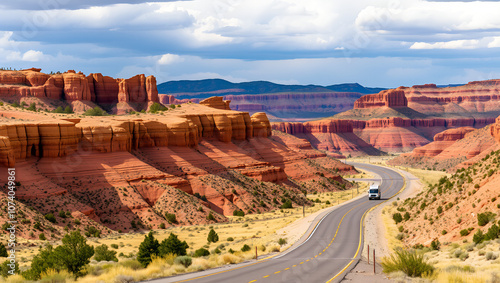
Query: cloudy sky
384,43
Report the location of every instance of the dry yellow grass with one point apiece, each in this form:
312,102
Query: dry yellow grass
256,230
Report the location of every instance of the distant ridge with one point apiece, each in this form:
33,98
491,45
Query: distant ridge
209,87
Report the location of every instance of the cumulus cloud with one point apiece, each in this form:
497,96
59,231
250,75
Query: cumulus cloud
32,56
167,59
455,44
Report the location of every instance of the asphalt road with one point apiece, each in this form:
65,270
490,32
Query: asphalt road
331,250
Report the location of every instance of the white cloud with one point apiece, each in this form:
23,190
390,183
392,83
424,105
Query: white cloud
168,59
455,44
32,56
495,42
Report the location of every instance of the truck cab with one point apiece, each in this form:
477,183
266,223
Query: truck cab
374,192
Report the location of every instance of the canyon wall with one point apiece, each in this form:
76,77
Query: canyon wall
72,86
57,138
390,134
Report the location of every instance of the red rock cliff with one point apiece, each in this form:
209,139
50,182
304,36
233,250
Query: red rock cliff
56,138
385,98
73,86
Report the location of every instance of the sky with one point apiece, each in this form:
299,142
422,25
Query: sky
378,43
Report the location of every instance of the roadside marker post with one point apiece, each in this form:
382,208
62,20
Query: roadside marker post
374,261
255,252
368,254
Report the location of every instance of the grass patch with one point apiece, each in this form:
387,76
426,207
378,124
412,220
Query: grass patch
409,262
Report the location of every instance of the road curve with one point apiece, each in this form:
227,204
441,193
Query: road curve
326,256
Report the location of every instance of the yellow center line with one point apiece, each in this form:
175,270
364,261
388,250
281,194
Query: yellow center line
287,268
277,272
301,263
294,265
252,281
265,276
361,227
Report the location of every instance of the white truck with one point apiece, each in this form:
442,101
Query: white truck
374,192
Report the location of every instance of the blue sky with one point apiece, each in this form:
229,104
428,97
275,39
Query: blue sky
384,43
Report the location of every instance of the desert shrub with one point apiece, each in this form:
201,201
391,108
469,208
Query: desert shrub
435,245
42,237
282,241
201,252
478,237
95,112
287,204
162,225
464,232
493,232
3,250
238,213
210,216
397,217
212,237
485,218
407,261
440,209
230,239
92,231
32,107
470,247
102,253
157,107
114,246
457,253
245,248
77,222
68,110
50,217
400,236
491,256
5,268
148,248
464,256
444,232
171,218
172,245
186,261
407,216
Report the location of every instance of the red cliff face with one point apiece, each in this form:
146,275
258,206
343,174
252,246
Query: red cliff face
385,98
216,102
495,130
74,86
170,99
391,134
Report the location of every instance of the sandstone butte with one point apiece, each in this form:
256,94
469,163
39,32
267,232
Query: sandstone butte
72,86
427,110
114,171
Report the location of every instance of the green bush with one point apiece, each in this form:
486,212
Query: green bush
485,218
102,253
440,209
464,232
212,236
156,107
172,245
210,216
186,261
68,110
171,218
478,237
95,112
287,204
5,268
407,216
58,110
32,107
397,217
230,239
42,237
201,252
147,249
493,233
3,250
50,217
491,256
245,248
282,241
435,245
238,213
409,262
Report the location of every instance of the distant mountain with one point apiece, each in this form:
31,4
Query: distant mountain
355,87
209,87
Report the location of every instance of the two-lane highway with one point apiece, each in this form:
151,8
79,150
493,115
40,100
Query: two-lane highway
326,255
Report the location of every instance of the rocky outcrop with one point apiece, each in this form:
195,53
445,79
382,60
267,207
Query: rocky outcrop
216,102
73,86
495,130
442,141
385,98
56,138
